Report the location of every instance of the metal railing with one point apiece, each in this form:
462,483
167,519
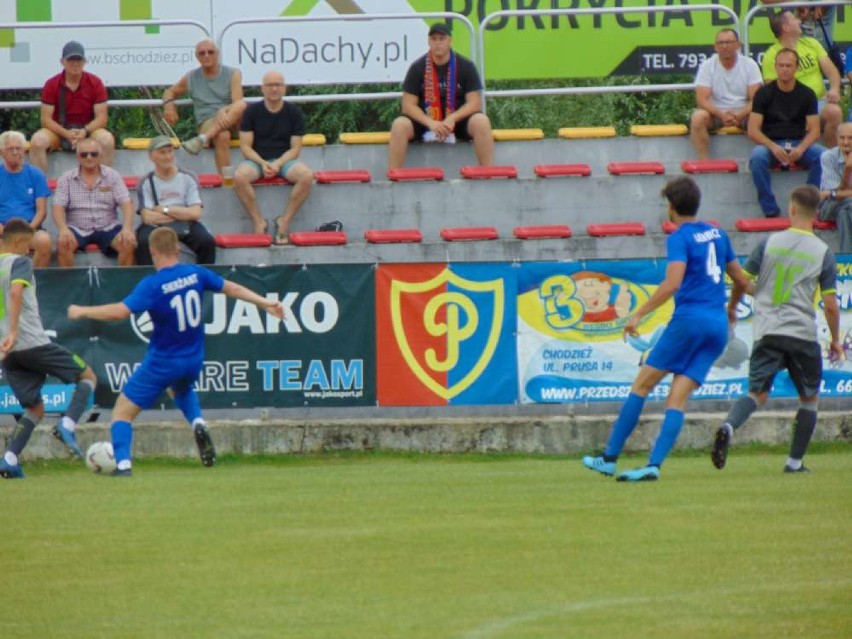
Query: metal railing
645,88
33,104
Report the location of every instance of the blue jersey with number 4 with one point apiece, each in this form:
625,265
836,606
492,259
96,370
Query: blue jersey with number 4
707,251
172,296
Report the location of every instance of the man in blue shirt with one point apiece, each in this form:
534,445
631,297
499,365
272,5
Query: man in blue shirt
699,255
172,297
25,193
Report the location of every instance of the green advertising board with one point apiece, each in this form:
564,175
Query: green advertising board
578,46
322,354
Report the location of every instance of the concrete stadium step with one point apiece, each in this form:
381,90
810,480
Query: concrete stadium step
597,153
433,249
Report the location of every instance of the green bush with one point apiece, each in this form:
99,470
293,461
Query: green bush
334,117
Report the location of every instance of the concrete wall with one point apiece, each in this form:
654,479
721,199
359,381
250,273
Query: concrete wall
538,434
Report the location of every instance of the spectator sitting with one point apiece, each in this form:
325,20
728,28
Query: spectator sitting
271,134
169,196
836,186
217,99
726,83
441,101
84,209
24,194
73,108
813,64
784,123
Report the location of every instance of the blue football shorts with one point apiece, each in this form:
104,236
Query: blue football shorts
689,346
156,374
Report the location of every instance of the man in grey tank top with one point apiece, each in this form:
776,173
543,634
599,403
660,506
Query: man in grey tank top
28,354
789,267
217,99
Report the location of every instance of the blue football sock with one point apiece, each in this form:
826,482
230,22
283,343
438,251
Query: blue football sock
122,438
672,423
189,405
627,419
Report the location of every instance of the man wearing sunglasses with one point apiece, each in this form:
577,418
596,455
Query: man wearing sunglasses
217,99
84,209
73,108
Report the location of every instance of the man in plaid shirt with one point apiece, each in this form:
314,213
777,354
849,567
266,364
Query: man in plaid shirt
84,209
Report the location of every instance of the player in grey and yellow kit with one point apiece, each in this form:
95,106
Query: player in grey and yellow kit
28,354
789,267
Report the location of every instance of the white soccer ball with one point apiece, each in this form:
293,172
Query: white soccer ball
100,458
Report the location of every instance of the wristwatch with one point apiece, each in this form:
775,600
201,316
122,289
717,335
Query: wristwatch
832,195
165,210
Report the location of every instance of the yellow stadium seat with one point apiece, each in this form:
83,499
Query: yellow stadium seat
730,130
503,135
373,137
309,139
584,132
648,130
141,144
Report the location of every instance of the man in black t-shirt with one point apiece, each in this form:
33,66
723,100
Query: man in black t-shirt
784,123
441,102
270,140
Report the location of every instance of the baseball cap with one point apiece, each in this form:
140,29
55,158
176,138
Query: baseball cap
73,49
159,142
440,27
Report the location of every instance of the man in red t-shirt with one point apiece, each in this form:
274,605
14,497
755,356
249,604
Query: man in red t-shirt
73,107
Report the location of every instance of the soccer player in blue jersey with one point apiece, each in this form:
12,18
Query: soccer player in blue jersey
172,297
699,255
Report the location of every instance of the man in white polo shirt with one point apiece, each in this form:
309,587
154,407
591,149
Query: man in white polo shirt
726,83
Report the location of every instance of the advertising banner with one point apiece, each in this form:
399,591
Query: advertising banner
571,347
320,43
445,334
321,354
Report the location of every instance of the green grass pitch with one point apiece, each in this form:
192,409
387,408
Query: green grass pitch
381,546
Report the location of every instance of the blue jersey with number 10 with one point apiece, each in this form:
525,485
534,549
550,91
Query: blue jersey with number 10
172,296
707,251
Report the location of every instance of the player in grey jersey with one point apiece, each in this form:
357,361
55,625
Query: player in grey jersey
28,354
789,267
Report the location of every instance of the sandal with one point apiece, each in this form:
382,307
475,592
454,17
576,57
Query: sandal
280,239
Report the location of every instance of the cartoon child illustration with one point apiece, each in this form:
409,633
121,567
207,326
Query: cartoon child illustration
595,291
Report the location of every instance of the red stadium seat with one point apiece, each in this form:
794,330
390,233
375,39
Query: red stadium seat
416,174
825,226
616,228
562,170
318,238
131,181
92,248
669,227
488,172
763,224
354,175
542,232
469,233
51,183
709,166
242,240
390,236
636,168
209,180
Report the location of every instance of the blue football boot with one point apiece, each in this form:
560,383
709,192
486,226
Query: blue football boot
7,471
646,473
600,465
